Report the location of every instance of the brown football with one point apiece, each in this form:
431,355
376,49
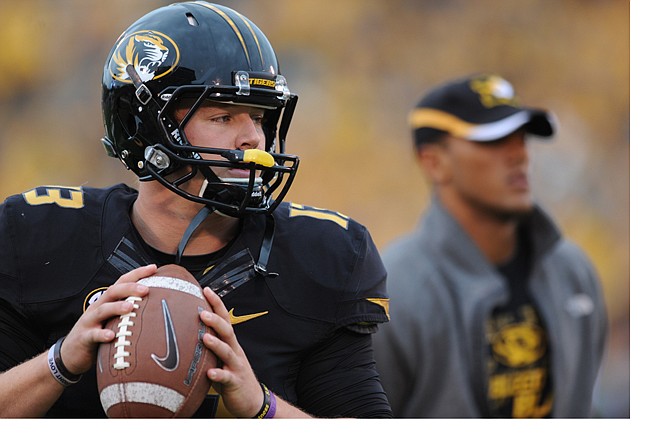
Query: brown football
157,364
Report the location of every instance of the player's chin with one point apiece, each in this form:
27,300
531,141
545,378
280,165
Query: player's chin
516,201
235,174
511,210
517,211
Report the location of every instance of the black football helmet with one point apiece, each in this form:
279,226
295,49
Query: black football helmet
185,54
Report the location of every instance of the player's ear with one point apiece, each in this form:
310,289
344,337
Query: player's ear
435,162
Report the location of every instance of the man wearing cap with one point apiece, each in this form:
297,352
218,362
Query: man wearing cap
495,314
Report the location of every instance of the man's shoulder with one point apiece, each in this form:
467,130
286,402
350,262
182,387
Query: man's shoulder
554,247
66,199
321,237
329,266
56,214
319,230
55,237
406,251
571,260
57,219
314,218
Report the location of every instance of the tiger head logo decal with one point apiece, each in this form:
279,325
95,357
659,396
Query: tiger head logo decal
494,90
147,51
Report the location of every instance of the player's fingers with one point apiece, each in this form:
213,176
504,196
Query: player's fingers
223,336
89,331
137,274
126,286
96,317
120,291
223,343
99,335
219,321
224,352
79,347
221,377
216,303
223,331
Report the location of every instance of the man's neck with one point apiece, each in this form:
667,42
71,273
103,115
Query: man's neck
161,218
494,235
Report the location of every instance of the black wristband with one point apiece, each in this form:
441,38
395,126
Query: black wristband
57,367
269,404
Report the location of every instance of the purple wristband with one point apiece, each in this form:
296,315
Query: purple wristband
273,406
269,407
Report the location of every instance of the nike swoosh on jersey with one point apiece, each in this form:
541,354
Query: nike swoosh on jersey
243,318
170,361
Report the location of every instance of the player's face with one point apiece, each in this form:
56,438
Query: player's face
225,126
491,176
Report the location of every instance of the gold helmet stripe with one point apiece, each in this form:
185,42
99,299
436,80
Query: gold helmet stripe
258,45
232,24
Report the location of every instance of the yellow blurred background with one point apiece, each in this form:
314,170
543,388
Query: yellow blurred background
359,67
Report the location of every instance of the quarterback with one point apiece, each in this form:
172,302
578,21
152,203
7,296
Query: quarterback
194,104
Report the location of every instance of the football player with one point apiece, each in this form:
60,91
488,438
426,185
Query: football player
194,104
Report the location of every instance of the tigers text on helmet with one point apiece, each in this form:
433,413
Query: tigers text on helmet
184,55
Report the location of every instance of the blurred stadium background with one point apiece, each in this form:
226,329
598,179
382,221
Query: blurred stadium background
358,67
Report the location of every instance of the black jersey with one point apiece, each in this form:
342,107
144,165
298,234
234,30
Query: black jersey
305,326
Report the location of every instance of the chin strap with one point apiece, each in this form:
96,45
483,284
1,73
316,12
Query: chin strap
266,247
260,267
197,220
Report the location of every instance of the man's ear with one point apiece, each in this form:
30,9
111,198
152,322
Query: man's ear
435,162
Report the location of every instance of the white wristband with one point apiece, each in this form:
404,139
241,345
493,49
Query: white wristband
57,368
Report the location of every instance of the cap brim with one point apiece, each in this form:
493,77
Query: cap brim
537,122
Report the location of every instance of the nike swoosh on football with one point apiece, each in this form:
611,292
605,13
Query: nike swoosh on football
243,318
170,361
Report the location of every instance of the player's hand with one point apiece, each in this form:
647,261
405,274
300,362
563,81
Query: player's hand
80,347
235,379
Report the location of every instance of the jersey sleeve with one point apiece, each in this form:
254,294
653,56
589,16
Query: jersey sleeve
18,341
365,303
7,251
50,247
329,269
338,379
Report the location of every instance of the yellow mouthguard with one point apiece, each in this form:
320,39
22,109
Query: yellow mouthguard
259,156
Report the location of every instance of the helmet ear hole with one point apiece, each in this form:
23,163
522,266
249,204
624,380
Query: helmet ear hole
127,120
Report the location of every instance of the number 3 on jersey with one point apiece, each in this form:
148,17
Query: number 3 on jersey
63,196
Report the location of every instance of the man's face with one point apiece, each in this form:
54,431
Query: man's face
225,126
490,176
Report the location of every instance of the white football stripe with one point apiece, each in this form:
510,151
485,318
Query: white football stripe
141,392
173,284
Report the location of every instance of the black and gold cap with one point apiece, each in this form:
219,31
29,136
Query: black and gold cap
479,108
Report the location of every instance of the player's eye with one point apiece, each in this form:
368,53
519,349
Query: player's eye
258,119
221,118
